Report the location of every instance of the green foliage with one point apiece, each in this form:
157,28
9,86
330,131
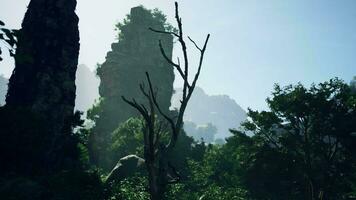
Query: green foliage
159,19
353,85
128,139
202,181
285,155
21,188
9,37
76,185
69,185
132,188
303,147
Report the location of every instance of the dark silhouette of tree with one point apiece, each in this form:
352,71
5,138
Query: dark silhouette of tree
156,152
42,87
353,84
303,148
128,140
9,39
123,71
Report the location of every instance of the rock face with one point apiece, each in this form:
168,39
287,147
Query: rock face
86,82
43,80
87,88
220,110
135,53
3,89
126,167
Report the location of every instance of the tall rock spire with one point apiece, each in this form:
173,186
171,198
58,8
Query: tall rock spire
136,52
43,80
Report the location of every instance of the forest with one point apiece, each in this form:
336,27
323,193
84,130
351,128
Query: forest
134,141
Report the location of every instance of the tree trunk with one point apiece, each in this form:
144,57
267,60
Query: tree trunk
157,174
155,188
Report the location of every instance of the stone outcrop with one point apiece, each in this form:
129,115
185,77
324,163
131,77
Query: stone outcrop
135,53
125,167
43,81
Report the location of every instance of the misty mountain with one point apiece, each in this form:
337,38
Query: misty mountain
87,88
204,132
219,110
3,89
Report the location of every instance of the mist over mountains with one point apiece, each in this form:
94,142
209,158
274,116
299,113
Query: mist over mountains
3,89
87,88
219,110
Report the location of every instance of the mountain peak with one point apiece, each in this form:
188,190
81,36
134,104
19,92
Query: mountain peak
220,110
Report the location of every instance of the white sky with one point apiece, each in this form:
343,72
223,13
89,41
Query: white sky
254,44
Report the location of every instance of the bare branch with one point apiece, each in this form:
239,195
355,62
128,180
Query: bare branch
177,66
142,88
153,128
178,61
184,50
186,98
138,107
164,32
165,55
156,104
200,62
194,43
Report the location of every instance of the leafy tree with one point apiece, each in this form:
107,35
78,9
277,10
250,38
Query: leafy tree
127,139
303,147
353,84
131,188
9,39
255,166
204,180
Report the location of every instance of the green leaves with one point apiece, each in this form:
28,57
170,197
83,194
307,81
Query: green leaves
305,136
9,37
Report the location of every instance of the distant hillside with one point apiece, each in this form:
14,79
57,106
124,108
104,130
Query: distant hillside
87,88
3,89
220,110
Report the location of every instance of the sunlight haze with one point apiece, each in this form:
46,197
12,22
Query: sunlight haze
253,45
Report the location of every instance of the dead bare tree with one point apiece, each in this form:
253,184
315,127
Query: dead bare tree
160,171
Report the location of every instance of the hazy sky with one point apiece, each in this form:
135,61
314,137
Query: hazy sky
254,43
